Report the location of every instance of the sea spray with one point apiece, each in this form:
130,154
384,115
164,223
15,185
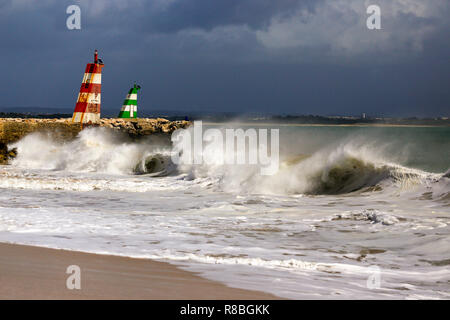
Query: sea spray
93,150
349,165
231,147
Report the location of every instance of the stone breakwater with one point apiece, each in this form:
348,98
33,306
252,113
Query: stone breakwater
13,129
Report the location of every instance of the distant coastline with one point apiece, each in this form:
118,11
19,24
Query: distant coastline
312,120
284,120
330,125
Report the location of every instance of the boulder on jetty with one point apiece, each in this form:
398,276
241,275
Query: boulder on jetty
13,129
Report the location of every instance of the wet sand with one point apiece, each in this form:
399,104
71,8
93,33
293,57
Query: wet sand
28,272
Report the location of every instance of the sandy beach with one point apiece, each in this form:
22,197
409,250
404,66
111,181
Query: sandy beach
28,272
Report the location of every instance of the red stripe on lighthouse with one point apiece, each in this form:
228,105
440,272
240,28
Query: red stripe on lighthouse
93,68
91,88
87,107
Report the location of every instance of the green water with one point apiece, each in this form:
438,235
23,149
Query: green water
424,148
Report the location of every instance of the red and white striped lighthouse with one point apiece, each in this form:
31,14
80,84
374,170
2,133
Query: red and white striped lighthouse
87,109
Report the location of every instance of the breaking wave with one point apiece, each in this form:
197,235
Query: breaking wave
155,165
94,150
339,169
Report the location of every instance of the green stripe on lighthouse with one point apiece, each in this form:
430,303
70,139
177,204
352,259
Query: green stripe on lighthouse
127,102
129,107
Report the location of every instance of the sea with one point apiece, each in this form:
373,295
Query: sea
353,212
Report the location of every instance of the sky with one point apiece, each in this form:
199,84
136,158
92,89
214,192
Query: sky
253,56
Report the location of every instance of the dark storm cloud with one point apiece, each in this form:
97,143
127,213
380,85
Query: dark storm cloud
249,55
207,15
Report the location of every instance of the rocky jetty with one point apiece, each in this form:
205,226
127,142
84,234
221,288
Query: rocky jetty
13,129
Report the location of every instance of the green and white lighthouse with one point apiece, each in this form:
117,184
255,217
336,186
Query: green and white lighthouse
129,108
